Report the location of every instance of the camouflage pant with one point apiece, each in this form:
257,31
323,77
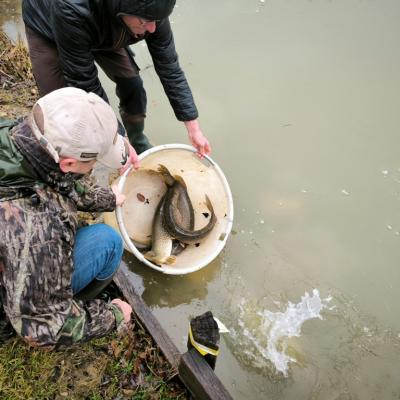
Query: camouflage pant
6,330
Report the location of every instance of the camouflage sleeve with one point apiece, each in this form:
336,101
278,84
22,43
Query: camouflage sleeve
90,197
88,320
85,321
36,274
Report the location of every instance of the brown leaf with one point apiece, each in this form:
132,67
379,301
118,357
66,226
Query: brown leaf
140,197
116,349
128,392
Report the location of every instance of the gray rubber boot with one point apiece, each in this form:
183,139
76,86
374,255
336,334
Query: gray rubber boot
93,289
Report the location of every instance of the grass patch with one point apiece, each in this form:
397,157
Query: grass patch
125,365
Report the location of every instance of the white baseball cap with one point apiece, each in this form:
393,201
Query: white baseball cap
80,125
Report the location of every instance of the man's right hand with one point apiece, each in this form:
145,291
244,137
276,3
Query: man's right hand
119,197
124,307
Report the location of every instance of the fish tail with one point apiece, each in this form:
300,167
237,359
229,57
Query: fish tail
170,260
164,171
152,256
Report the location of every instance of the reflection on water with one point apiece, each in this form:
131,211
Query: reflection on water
10,19
300,102
159,290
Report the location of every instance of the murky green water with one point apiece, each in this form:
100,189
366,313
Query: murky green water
300,101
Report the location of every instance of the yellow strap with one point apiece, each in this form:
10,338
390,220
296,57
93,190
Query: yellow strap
203,350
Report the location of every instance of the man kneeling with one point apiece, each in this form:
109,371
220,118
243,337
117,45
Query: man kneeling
51,270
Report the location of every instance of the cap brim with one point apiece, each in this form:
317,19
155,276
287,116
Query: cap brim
117,155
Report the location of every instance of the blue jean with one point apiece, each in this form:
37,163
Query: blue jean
97,254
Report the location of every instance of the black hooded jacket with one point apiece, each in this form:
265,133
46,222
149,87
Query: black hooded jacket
80,27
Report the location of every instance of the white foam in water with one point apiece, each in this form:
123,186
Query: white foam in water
276,327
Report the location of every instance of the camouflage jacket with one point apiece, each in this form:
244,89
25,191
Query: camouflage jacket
38,217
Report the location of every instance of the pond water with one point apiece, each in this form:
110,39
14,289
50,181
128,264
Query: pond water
300,102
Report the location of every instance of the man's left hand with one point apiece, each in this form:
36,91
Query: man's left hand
197,139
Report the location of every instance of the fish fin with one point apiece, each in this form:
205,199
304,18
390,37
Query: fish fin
152,172
180,180
170,260
167,176
152,257
209,204
177,247
149,255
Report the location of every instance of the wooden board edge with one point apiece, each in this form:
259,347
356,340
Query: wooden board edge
146,317
200,378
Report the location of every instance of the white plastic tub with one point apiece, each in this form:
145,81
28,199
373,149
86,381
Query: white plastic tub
144,191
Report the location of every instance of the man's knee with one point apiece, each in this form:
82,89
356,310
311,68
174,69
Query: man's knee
111,238
112,244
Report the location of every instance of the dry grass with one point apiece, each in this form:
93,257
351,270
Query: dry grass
18,90
127,365
15,65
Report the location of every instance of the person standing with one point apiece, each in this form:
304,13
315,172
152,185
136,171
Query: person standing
67,37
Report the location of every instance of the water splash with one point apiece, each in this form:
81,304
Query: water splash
269,335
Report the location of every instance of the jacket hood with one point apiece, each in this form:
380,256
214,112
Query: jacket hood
151,10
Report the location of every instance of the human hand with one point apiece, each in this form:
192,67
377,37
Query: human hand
132,159
119,197
124,307
197,139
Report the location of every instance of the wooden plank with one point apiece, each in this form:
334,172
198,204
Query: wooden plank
200,378
194,372
146,317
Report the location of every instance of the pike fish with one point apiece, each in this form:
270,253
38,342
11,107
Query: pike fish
161,240
173,223
183,212
164,247
178,208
